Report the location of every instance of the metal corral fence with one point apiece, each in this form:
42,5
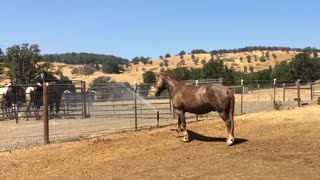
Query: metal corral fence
114,107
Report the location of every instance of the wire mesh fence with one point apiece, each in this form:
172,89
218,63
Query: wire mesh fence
115,107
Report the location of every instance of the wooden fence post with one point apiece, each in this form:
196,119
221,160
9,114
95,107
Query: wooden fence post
45,113
221,81
242,96
84,95
197,82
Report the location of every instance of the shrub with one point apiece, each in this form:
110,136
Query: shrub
75,71
88,70
277,105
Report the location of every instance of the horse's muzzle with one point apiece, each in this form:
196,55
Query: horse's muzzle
157,93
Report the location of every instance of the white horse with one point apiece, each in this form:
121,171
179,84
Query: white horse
10,97
3,101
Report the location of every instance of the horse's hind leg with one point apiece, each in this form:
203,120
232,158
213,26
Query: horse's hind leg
230,127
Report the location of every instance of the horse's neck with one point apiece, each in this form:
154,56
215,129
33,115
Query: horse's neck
171,85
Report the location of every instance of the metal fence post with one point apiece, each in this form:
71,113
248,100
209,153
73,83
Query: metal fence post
45,113
158,117
135,105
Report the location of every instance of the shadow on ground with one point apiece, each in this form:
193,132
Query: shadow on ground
193,136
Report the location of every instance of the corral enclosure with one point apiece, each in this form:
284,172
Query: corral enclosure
118,107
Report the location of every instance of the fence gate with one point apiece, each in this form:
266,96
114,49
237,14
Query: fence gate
316,90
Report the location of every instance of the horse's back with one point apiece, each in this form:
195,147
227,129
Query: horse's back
220,96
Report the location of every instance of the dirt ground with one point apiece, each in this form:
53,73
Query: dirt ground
269,145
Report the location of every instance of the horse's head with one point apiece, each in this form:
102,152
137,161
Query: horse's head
160,84
70,86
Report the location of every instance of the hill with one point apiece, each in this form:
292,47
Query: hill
238,61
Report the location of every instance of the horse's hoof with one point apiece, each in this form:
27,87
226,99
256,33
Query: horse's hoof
230,142
185,139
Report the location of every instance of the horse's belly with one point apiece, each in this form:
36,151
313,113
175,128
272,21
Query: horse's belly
200,109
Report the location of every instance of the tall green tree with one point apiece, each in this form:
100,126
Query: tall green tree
149,77
281,72
110,67
304,67
213,69
22,62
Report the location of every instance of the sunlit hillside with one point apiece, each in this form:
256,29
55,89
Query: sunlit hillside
237,61
232,60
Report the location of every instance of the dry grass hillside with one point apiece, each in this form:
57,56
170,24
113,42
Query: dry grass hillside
134,72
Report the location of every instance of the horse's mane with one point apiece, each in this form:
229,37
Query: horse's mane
171,76
48,76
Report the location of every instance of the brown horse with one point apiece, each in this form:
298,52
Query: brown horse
198,100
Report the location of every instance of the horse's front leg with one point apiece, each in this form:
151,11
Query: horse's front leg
28,113
51,111
183,124
57,107
179,124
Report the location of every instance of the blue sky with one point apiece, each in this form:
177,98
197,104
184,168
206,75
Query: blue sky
129,28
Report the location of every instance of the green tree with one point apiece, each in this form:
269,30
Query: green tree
166,62
315,54
249,59
267,55
110,68
101,81
149,77
22,62
144,89
167,55
88,70
263,59
193,57
304,67
213,69
181,72
181,54
97,67
281,71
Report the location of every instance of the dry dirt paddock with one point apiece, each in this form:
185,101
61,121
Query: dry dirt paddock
270,145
